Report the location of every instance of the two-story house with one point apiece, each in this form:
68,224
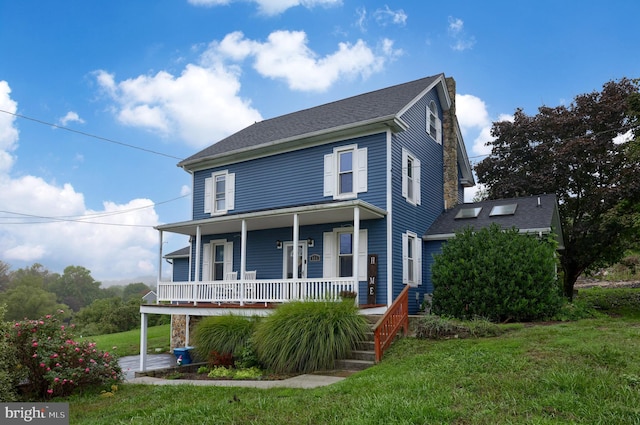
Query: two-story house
328,199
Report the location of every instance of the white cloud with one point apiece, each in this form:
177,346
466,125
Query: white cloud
286,56
461,41
70,117
475,122
185,190
50,224
387,16
271,7
623,137
200,106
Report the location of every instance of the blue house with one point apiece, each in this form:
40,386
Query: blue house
320,201
322,195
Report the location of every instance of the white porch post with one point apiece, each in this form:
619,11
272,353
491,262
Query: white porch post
143,341
296,236
243,259
197,273
356,247
160,257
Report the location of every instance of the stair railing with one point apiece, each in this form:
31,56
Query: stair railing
396,317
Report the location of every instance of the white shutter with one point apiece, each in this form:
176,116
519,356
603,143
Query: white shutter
405,177
439,130
206,261
231,191
328,257
228,257
361,179
362,256
329,178
405,271
418,260
416,180
208,193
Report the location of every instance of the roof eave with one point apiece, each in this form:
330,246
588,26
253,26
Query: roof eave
390,122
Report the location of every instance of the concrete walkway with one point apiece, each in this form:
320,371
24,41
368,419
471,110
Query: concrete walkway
131,364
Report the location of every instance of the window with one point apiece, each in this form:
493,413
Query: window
468,213
509,209
219,193
345,254
434,125
411,259
338,255
217,259
410,178
345,172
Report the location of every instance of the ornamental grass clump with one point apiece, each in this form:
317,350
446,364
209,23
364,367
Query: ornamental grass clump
53,364
223,335
308,336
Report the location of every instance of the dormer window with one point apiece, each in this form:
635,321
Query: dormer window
434,125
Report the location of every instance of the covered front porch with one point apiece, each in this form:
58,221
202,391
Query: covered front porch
265,238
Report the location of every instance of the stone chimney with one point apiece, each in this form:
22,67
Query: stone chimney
450,148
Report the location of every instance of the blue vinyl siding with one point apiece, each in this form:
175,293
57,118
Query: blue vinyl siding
293,178
408,217
180,269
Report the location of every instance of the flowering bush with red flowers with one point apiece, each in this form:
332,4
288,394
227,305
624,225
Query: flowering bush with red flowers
52,363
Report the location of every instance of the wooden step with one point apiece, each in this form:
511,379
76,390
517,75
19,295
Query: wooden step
353,364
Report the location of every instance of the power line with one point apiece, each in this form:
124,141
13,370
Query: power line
104,139
83,218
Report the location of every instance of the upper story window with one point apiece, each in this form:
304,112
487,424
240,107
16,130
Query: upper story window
434,125
219,193
410,177
345,172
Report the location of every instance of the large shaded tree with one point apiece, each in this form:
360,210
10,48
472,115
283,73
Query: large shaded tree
76,288
577,152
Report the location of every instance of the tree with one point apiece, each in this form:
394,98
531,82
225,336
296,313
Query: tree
4,276
76,287
30,301
575,152
135,291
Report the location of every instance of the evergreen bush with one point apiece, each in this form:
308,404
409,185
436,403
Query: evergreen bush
501,275
306,336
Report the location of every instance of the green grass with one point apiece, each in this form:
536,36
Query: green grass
128,343
583,372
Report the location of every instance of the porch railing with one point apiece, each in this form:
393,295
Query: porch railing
396,317
254,291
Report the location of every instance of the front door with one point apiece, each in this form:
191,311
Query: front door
288,263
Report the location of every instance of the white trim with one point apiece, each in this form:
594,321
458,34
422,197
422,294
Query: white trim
359,172
210,193
417,259
415,178
437,124
389,243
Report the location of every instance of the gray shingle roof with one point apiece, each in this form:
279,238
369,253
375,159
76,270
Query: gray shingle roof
366,107
182,252
529,216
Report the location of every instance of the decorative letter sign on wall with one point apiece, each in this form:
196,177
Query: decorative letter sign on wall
372,278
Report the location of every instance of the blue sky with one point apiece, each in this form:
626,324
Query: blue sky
160,80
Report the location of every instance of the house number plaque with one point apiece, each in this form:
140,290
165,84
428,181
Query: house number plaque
372,278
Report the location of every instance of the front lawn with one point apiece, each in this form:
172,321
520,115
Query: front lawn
576,372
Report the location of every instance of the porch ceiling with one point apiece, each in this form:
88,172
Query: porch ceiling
333,212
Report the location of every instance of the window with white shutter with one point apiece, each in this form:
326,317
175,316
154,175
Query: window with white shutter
345,172
219,193
410,178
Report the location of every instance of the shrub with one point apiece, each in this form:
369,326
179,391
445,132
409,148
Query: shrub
498,274
9,376
308,336
611,300
53,364
437,327
223,335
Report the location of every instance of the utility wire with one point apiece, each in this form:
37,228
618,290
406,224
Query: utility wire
104,139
